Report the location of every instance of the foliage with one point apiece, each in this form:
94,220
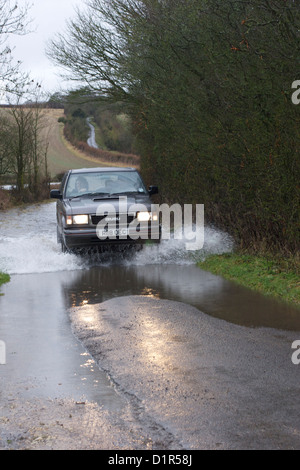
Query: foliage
266,274
107,157
114,128
207,84
113,125
4,278
62,119
76,129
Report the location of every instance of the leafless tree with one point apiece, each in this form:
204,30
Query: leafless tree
26,137
13,20
6,136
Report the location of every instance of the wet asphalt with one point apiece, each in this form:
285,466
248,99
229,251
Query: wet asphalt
168,356
197,381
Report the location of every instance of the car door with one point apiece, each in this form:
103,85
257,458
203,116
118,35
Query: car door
60,205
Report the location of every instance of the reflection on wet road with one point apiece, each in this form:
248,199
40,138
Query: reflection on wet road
211,383
184,283
42,353
28,245
47,360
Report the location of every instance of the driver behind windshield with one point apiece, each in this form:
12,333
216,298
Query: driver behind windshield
81,186
106,183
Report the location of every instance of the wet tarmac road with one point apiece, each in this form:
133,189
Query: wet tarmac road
211,384
168,375
41,350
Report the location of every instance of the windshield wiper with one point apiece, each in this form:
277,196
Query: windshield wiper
89,194
126,192
108,195
100,194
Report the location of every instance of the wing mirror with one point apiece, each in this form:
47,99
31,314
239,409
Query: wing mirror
55,194
153,190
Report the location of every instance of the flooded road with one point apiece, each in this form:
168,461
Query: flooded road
28,246
45,359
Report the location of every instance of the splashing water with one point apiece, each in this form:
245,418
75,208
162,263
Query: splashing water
28,245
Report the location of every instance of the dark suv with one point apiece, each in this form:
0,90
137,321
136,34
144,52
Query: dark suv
103,207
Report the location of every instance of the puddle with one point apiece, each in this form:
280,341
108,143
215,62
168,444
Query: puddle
28,246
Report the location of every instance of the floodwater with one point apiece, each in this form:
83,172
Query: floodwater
46,359
28,246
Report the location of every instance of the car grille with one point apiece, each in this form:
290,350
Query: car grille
113,218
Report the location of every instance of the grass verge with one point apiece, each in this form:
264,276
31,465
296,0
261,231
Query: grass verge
268,275
4,278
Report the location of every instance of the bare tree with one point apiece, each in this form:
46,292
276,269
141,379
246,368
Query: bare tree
26,133
21,144
94,47
6,136
13,20
39,143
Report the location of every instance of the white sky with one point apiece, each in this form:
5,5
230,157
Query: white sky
48,18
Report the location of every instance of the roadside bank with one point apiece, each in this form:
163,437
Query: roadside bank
3,279
270,275
5,199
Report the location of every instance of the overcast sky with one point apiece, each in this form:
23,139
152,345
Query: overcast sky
48,17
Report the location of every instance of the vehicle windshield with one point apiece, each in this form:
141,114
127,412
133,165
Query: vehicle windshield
104,183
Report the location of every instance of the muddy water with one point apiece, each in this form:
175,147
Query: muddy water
28,246
45,360
42,355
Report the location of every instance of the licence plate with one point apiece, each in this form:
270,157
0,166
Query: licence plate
116,232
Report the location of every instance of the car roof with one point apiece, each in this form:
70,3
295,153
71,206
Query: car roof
101,169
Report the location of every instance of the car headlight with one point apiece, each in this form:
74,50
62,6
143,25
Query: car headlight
146,216
77,219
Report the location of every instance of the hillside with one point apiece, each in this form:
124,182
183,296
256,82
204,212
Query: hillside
61,154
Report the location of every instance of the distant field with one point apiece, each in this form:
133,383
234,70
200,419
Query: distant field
61,154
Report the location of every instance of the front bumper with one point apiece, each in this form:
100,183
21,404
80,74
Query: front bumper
87,237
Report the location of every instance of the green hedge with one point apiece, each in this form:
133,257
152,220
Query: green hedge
4,278
207,84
